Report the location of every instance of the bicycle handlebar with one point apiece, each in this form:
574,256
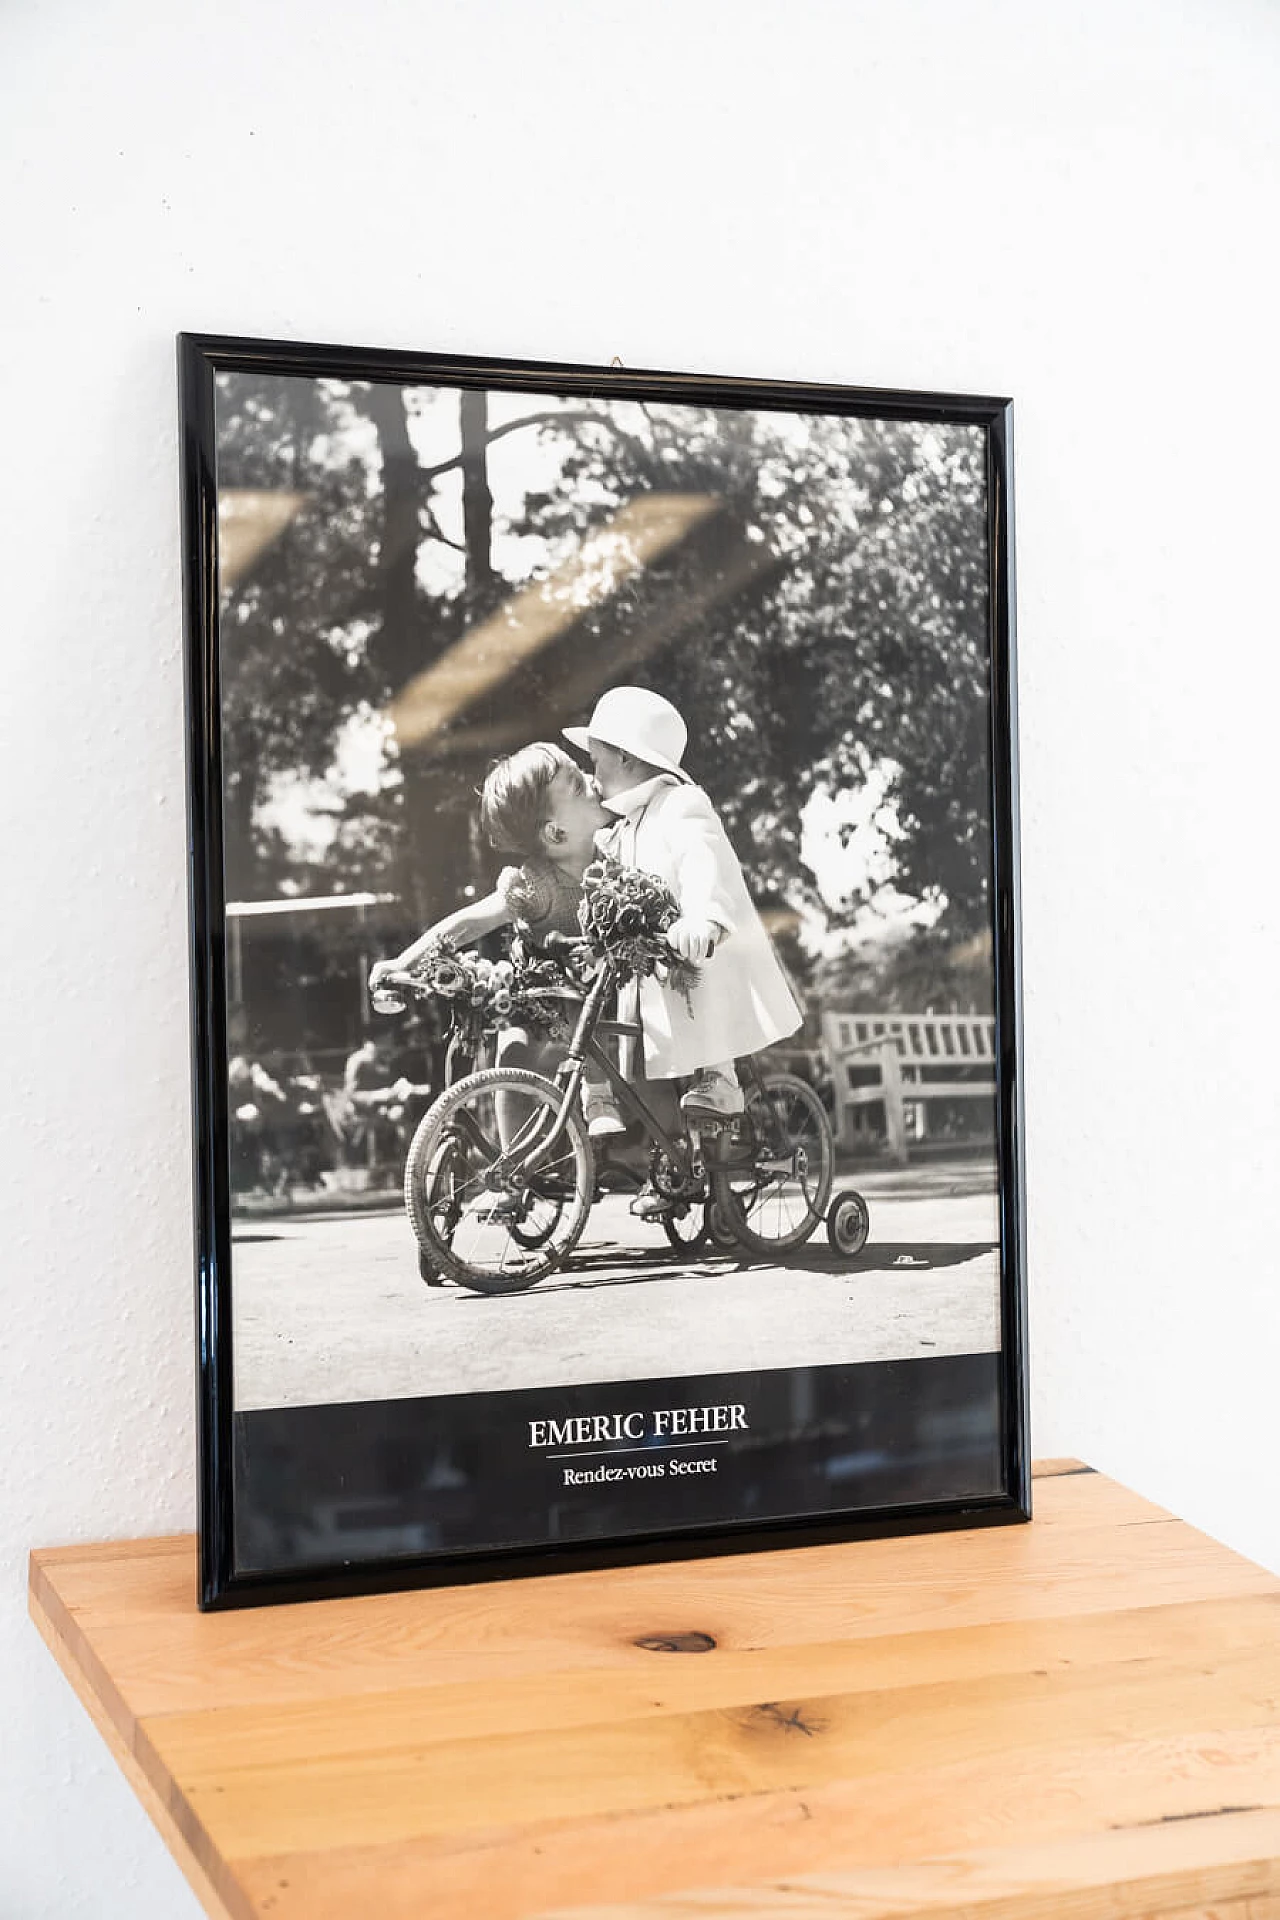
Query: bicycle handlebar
401,978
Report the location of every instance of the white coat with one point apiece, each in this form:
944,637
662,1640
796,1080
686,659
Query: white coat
742,1001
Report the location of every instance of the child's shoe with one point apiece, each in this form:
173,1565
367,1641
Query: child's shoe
603,1119
714,1092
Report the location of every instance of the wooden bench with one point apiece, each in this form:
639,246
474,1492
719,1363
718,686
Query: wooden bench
902,1062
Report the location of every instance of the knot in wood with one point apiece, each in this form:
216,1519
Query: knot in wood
676,1642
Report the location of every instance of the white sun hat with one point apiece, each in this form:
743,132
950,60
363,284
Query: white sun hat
638,722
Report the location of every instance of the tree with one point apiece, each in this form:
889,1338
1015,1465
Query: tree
292,656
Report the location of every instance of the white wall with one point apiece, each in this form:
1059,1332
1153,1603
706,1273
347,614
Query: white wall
1075,203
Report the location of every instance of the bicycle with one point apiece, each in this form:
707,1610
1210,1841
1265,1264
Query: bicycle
501,1173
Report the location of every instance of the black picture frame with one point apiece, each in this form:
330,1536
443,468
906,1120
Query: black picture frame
880,1446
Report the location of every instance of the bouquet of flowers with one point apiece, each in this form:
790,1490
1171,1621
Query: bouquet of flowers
625,914
525,989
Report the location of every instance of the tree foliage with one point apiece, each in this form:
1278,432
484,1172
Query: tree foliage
293,643
866,645
857,642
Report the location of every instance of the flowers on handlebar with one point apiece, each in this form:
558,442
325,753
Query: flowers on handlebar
525,989
625,915
447,977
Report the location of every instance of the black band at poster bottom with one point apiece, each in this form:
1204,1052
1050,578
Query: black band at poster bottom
392,1489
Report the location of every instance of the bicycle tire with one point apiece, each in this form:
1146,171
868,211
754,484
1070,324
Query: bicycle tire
792,1204
490,1259
686,1232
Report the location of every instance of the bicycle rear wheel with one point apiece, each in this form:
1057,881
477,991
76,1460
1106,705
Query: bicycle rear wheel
775,1195
495,1218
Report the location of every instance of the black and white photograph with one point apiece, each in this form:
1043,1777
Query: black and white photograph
605,964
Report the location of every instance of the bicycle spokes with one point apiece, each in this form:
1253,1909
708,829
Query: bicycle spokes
499,1180
774,1182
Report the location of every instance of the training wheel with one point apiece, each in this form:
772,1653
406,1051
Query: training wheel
848,1223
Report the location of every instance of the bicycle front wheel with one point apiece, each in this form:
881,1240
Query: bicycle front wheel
775,1194
498,1181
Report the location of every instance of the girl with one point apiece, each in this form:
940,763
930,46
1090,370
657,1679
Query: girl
538,805
665,825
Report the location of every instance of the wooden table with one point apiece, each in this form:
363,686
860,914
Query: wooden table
1077,1718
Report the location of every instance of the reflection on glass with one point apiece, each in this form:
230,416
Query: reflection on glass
418,581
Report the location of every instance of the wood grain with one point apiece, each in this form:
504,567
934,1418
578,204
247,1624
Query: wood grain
1080,1718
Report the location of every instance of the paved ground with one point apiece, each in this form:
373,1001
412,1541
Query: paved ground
330,1308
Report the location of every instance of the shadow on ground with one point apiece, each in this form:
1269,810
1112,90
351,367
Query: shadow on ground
619,1266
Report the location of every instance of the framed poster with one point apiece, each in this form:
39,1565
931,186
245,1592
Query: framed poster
605,997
